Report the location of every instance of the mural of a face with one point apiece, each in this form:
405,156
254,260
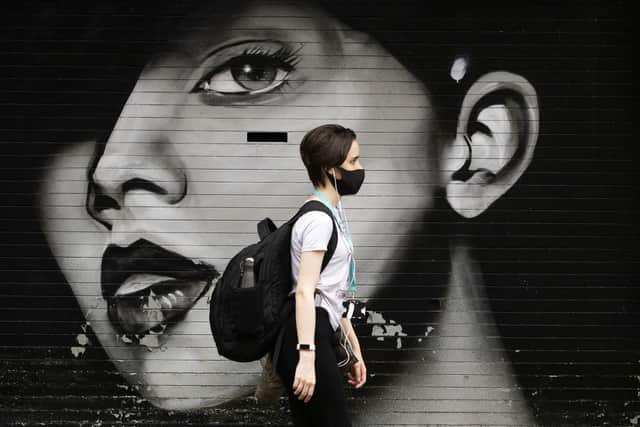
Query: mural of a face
177,172
177,189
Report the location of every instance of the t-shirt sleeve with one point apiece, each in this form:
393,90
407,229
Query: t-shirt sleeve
315,230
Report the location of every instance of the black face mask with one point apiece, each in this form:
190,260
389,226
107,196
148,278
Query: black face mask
350,182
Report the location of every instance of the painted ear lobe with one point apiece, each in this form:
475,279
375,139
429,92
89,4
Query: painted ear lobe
495,140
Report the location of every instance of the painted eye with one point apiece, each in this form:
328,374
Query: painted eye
253,72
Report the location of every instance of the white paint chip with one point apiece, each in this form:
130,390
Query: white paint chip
458,69
377,331
77,351
383,329
82,339
375,317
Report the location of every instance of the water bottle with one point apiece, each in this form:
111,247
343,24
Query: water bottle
247,280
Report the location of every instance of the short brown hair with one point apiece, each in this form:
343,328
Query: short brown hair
326,146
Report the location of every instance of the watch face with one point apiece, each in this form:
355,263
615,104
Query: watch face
306,347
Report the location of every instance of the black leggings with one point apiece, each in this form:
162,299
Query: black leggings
328,405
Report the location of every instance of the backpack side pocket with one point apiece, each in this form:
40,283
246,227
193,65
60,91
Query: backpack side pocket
247,311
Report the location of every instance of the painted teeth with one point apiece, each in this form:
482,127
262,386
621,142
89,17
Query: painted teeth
165,302
172,297
179,293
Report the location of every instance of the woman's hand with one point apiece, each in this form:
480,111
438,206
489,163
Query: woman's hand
358,374
304,381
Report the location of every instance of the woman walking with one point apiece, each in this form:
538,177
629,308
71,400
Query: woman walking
308,363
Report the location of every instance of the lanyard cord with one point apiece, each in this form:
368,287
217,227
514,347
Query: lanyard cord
344,227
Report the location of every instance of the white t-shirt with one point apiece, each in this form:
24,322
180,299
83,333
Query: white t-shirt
312,231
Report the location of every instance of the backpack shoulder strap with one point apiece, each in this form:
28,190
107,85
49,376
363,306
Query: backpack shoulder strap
315,205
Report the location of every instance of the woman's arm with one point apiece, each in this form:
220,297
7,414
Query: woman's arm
358,374
347,327
305,376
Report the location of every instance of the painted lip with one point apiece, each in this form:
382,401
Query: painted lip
148,287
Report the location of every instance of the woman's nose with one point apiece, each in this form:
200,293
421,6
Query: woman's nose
125,167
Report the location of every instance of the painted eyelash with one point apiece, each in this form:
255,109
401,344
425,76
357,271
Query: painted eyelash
284,55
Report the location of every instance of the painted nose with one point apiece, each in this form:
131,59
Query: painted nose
123,168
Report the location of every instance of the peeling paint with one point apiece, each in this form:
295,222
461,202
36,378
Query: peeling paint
375,317
82,340
378,331
77,351
382,328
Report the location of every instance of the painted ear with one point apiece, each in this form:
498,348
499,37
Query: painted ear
495,140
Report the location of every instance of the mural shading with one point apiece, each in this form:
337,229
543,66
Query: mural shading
494,234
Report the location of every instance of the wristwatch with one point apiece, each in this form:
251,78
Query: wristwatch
311,347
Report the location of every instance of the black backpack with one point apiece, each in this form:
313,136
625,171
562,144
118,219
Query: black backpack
245,321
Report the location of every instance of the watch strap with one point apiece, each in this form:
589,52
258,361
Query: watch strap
311,347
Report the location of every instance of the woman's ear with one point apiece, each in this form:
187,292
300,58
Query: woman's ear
333,172
328,175
495,139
